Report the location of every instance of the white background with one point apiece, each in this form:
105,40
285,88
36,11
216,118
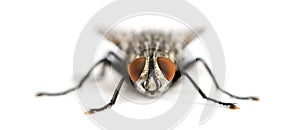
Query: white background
259,37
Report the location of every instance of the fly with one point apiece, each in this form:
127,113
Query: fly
152,65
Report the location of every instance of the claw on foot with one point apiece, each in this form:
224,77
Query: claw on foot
89,112
255,98
234,107
39,94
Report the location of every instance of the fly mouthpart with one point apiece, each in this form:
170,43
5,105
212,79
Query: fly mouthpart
151,85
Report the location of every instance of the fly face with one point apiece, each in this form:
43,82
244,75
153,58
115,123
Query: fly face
152,75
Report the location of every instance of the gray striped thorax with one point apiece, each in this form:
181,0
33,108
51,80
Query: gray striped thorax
152,43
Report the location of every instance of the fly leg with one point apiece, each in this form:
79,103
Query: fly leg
81,82
230,105
107,64
112,101
215,81
179,74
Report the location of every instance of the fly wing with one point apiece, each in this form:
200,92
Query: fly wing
188,36
116,36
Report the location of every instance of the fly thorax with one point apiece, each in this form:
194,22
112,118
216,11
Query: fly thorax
138,42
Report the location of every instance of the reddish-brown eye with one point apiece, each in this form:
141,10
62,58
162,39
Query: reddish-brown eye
135,68
167,67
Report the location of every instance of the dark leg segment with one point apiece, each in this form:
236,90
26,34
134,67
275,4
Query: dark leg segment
105,64
216,83
112,101
230,105
79,85
115,55
176,76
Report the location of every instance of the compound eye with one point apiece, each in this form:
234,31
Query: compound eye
167,67
136,68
